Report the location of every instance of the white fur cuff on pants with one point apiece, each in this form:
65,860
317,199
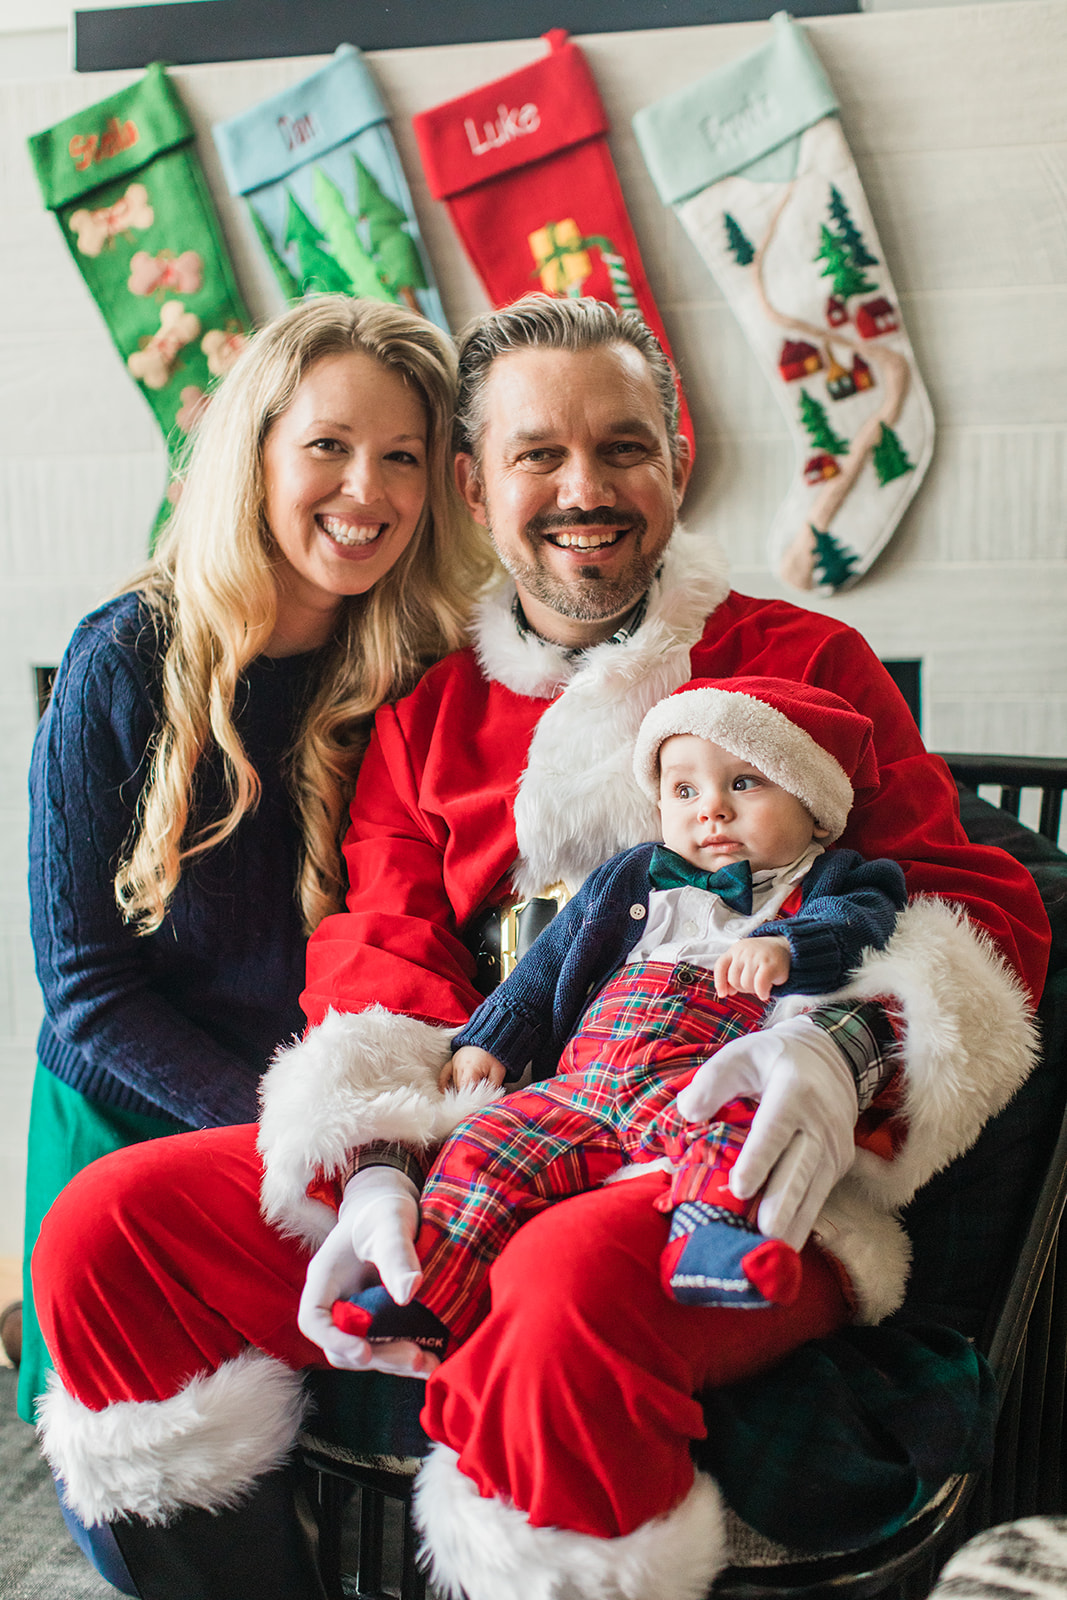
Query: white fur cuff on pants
204,1447
484,1549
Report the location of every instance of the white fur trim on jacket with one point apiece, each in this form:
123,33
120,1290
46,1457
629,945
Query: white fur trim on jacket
204,1447
355,1078
486,1549
578,801
871,1245
969,1042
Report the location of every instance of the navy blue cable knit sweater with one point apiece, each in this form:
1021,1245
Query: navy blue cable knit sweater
185,1020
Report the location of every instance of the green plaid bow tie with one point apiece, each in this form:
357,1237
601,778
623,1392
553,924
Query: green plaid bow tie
732,884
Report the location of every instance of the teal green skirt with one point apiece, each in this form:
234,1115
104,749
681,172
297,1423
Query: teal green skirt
67,1132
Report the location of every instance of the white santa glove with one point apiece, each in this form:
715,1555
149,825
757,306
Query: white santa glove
801,1139
374,1238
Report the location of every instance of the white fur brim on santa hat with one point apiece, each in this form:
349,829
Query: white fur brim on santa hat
754,731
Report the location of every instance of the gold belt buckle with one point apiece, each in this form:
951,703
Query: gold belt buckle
509,923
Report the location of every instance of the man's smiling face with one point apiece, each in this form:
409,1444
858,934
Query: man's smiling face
576,483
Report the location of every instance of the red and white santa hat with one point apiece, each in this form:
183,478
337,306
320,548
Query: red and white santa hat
808,741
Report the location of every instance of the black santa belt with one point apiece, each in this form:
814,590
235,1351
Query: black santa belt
499,937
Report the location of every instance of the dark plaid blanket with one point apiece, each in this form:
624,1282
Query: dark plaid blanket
897,1411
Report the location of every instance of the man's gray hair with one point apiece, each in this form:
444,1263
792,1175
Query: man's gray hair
541,322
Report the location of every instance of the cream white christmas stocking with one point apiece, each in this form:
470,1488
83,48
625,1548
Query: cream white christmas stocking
753,160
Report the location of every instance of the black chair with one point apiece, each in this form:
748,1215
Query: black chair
1026,1342
364,1443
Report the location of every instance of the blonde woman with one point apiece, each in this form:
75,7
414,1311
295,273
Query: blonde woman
191,777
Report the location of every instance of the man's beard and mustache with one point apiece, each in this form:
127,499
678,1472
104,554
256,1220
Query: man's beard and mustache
591,595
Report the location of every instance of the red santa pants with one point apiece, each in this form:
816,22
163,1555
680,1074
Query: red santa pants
612,1102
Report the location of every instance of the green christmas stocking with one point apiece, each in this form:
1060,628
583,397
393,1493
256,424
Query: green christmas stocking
129,194
754,161
329,200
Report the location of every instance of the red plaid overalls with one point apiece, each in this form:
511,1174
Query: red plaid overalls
612,1103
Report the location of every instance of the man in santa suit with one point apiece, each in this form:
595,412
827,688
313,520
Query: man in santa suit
170,1273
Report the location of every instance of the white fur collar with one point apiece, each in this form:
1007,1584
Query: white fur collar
692,581
578,802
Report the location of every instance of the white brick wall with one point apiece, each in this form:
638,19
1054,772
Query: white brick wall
958,124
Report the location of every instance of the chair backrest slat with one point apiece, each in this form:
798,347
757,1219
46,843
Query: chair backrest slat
1012,774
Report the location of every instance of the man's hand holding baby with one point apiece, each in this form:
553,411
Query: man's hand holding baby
469,1066
753,966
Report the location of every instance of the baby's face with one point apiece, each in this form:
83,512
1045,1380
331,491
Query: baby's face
717,809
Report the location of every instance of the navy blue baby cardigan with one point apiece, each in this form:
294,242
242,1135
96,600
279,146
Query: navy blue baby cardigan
185,1020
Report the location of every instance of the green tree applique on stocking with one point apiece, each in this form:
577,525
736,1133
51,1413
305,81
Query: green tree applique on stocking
741,248
890,458
392,248
833,562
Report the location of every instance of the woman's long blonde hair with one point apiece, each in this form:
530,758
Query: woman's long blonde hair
211,585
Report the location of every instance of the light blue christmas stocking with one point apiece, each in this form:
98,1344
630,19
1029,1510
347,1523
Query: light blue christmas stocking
319,170
753,160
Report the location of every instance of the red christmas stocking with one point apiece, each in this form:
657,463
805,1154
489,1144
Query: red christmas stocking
524,167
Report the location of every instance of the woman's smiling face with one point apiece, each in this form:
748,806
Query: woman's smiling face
345,477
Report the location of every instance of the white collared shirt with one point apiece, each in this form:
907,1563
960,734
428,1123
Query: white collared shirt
694,925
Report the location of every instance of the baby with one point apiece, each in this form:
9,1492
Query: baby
667,952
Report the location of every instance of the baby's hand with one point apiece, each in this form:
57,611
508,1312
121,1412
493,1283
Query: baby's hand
469,1066
753,966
